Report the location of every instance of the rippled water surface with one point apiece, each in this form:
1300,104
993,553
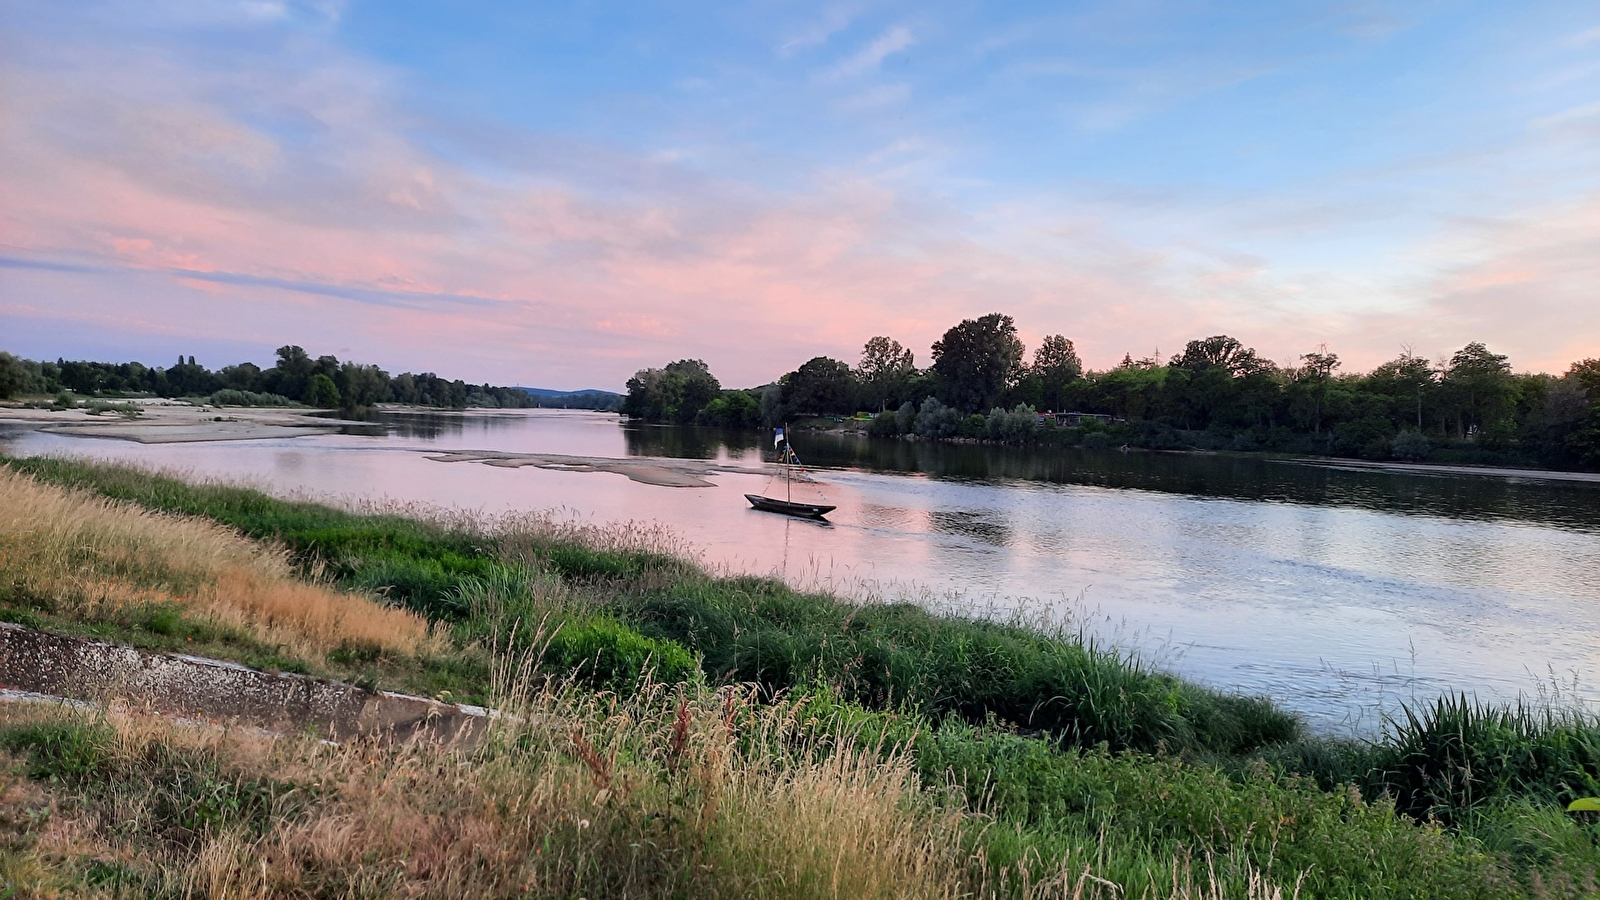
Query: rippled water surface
1336,591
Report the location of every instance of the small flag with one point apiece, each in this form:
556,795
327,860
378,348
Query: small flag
777,436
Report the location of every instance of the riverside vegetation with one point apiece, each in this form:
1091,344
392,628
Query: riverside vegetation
680,733
1217,394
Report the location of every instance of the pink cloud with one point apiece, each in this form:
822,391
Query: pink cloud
190,221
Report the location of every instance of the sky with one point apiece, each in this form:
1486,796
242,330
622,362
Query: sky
561,194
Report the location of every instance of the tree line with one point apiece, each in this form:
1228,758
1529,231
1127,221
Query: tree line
1217,394
296,378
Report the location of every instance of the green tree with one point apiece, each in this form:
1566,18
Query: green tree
1478,388
1132,390
291,376
361,386
1219,381
1587,373
977,360
1408,379
821,386
1309,384
1055,366
885,371
322,392
734,409
13,377
675,393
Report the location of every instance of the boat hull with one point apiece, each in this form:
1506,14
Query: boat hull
789,507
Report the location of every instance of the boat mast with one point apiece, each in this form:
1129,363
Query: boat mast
787,452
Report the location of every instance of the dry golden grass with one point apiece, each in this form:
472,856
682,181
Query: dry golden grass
675,793
90,557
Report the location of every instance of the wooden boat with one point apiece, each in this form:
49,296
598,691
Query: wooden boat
788,506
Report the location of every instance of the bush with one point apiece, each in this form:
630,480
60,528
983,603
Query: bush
1017,426
606,653
1411,445
1097,440
129,410
231,397
905,417
884,424
935,420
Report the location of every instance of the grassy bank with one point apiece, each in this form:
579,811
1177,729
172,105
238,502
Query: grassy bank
993,759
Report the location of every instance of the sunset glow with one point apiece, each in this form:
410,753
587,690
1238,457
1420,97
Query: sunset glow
505,193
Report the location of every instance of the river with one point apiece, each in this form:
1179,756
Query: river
1338,592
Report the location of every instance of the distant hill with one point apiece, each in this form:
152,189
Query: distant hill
592,398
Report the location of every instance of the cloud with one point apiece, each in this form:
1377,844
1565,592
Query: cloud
870,57
834,20
148,193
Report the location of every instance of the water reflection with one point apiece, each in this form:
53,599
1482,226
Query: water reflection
688,442
1241,478
423,425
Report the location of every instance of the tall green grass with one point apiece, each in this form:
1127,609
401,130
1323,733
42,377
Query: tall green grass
898,655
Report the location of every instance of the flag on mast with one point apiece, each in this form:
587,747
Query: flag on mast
777,436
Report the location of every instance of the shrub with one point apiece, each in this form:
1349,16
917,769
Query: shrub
905,417
1016,426
1411,445
935,420
1096,440
231,397
128,410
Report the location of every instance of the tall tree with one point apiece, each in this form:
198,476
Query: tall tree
821,386
1407,378
885,370
1477,384
13,377
291,376
1055,365
977,360
1311,383
1220,381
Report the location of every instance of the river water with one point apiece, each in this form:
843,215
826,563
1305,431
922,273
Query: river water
1339,592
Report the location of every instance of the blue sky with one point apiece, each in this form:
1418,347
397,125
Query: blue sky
555,195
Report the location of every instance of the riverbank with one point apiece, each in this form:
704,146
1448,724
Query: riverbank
997,745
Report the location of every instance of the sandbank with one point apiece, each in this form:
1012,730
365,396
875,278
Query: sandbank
662,472
167,422
1433,469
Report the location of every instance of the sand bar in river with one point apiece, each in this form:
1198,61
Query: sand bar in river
662,472
166,422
